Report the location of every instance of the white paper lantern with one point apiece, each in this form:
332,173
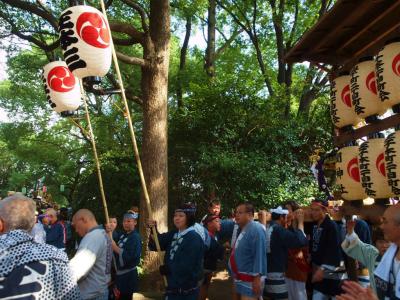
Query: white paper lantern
342,111
61,87
86,41
348,174
372,169
364,93
392,160
388,74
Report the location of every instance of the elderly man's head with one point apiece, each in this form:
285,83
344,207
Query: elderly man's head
51,215
391,224
17,212
83,221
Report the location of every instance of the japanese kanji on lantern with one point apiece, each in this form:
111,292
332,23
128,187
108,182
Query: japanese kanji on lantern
392,159
364,93
85,41
348,174
388,73
371,158
342,111
61,87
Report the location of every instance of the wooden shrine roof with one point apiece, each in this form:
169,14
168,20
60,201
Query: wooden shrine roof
349,30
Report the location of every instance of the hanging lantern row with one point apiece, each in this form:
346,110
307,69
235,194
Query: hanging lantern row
85,41
369,90
371,169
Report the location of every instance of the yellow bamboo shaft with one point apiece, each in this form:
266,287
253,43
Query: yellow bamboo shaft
133,138
96,158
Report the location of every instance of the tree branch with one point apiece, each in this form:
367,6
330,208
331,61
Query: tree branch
235,18
142,12
14,30
33,8
228,42
128,29
124,42
128,93
294,26
131,60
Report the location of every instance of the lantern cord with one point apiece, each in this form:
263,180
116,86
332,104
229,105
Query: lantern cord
133,138
96,158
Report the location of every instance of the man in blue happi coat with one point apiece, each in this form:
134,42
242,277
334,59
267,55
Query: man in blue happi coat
127,250
279,241
248,260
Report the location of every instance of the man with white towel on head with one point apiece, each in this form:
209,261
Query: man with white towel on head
279,241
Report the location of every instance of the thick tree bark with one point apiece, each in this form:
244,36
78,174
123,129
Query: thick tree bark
211,27
182,63
154,147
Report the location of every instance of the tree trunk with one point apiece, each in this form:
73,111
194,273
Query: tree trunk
210,51
183,60
154,85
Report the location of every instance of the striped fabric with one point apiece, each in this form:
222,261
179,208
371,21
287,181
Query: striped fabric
363,281
275,286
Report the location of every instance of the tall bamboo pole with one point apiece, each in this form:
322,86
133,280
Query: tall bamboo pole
96,158
133,137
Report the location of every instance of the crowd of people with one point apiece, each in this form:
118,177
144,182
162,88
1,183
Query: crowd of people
271,254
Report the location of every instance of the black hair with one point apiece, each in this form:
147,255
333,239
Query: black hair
275,216
213,202
190,211
293,204
249,207
324,203
377,234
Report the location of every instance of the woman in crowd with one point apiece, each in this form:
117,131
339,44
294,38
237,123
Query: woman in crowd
184,251
127,252
113,227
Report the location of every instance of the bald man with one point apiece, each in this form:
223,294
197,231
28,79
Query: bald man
29,270
91,264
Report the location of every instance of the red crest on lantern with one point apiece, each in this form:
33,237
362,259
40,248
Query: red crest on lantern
346,98
396,65
61,79
353,170
371,83
380,164
92,28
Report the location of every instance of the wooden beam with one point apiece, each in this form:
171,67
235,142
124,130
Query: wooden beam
358,133
370,26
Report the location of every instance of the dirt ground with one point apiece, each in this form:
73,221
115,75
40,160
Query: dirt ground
220,288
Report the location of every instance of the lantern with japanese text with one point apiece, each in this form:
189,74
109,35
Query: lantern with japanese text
342,111
364,93
348,174
388,73
61,87
371,159
392,159
85,40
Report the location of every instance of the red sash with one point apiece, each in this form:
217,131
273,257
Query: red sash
235,271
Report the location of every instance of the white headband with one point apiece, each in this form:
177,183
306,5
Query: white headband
279,211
